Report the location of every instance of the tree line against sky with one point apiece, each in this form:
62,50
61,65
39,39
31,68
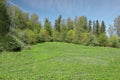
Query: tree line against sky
18,29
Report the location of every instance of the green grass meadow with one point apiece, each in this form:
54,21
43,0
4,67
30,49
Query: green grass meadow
61,61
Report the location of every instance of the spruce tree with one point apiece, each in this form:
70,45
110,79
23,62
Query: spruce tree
58,24
97,28
89,26
102,27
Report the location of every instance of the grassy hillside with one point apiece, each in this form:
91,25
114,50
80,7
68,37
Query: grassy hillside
61,61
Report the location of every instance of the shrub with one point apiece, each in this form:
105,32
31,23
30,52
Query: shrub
89,39
44,36
10,43
28,36
114,41
56,36
103,40
70,36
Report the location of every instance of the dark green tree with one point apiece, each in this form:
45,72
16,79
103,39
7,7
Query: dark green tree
4,18
94,28
102,27
89,26
58,24
97,26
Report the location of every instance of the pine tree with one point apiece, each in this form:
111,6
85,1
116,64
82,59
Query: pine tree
97,28
94,28
102,27
89,26
58,24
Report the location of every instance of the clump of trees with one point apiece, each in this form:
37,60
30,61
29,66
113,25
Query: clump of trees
18,29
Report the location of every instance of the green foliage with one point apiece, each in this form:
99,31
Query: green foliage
97,28
94,28
47,27
77,38
4,18
83,23
102,27
27,29
91,40
114,41
30,36
89,26
84,37
69,24
103,40
10,43
56,36
58,24
44,36
64,31
70,36
27,36
88,39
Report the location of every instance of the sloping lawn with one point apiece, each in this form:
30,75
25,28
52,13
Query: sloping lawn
61,61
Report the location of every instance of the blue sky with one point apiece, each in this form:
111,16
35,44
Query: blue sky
106,10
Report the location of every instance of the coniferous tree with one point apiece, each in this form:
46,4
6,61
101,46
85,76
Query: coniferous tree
97,28
58,24
89,26
94,28
102,27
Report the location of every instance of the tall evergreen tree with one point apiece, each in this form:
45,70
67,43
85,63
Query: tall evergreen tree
94,28
102,27
97,28
58,24
89,26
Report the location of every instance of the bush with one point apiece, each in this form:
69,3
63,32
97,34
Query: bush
70,36
84,38
89,39
10,43
103,40
114,41
44,36
28,36
56,36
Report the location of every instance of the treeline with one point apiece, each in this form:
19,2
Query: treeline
18,29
